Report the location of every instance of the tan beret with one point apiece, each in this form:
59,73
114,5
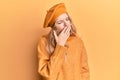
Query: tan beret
53,13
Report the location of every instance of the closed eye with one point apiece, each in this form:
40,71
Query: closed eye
59,22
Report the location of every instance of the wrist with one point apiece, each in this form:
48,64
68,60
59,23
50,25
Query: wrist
61,44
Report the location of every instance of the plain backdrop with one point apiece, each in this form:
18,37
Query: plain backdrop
21,22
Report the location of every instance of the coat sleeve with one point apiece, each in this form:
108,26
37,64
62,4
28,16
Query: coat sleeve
84,61
49,66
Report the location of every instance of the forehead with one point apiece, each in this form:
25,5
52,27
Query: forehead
62,16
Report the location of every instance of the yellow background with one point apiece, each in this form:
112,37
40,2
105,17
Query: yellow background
97,22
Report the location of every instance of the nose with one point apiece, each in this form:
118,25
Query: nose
65,23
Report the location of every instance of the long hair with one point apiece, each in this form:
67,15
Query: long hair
51,42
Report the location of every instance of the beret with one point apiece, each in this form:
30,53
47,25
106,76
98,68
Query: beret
53,13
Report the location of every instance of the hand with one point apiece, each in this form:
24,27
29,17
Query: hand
63,36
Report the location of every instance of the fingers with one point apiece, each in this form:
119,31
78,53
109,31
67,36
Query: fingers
63,31
68,30
63,36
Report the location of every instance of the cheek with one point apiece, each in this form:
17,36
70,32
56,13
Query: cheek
69,23
59,27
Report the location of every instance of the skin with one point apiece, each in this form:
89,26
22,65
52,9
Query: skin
63,27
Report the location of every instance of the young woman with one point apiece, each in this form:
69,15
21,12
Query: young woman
61,53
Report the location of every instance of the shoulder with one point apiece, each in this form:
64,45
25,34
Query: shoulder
42,40
76,40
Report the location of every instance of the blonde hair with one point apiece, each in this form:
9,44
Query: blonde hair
51,42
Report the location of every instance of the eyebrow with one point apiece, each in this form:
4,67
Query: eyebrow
62,19
59,20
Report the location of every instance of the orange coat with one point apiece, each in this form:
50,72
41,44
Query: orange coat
66,63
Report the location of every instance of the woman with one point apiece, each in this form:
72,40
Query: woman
61,53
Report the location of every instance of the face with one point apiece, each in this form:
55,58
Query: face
61,22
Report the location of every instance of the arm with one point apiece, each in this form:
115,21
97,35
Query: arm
85,68
49,66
